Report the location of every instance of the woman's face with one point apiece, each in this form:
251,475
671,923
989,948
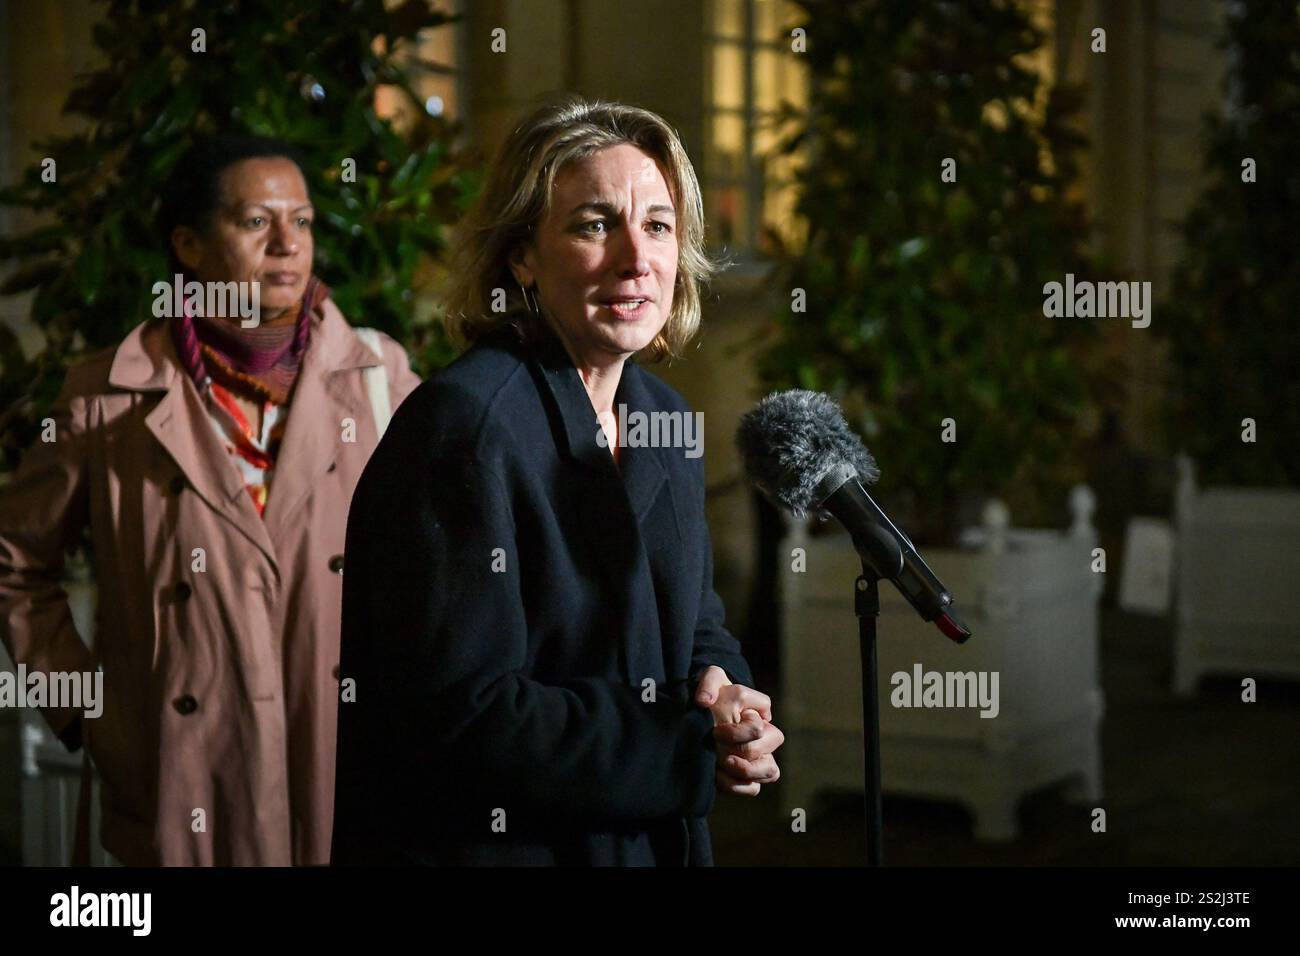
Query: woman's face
610,234
260,231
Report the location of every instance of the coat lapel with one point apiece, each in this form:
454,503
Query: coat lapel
146,361
616,504
328,391
578,421
643,468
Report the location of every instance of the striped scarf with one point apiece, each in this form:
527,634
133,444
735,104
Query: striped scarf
261,362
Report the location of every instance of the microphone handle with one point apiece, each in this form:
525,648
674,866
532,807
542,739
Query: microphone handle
891,556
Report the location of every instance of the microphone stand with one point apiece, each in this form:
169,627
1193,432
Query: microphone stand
881,547
882,557
866,604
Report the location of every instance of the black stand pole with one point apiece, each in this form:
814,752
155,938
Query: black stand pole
866,604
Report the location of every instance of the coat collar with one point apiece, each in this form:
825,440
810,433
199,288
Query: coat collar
147,361
641,470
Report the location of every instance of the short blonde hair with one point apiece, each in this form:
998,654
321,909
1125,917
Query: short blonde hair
517,196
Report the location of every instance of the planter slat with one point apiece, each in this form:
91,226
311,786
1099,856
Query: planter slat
1033,610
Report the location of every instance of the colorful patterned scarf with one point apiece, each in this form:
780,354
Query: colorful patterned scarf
261,362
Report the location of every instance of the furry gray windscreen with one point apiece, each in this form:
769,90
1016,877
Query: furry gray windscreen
789,442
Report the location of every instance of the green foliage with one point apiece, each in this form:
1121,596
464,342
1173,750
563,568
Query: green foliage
924,297
1234,351
305,71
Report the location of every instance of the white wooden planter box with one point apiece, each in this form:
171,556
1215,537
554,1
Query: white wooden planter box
1238,579
1030,598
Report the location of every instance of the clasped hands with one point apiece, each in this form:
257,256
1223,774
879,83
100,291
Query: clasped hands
743,733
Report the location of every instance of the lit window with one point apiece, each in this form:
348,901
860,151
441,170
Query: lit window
751,70
432,63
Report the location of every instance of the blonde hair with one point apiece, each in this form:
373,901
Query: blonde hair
517,196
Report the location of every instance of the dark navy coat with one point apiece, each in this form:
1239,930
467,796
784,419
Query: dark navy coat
509,594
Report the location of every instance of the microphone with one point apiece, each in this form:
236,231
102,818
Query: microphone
800,452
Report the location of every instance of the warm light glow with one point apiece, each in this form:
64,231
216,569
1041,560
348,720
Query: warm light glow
436,91
747,182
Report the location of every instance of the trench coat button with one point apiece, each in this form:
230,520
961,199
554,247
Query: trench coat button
186,704
336,564
177,485
183,591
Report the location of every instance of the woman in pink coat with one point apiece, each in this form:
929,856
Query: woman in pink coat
212,455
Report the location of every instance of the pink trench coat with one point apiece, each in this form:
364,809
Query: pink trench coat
221,689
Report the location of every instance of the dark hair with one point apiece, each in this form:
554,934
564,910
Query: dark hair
192,191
